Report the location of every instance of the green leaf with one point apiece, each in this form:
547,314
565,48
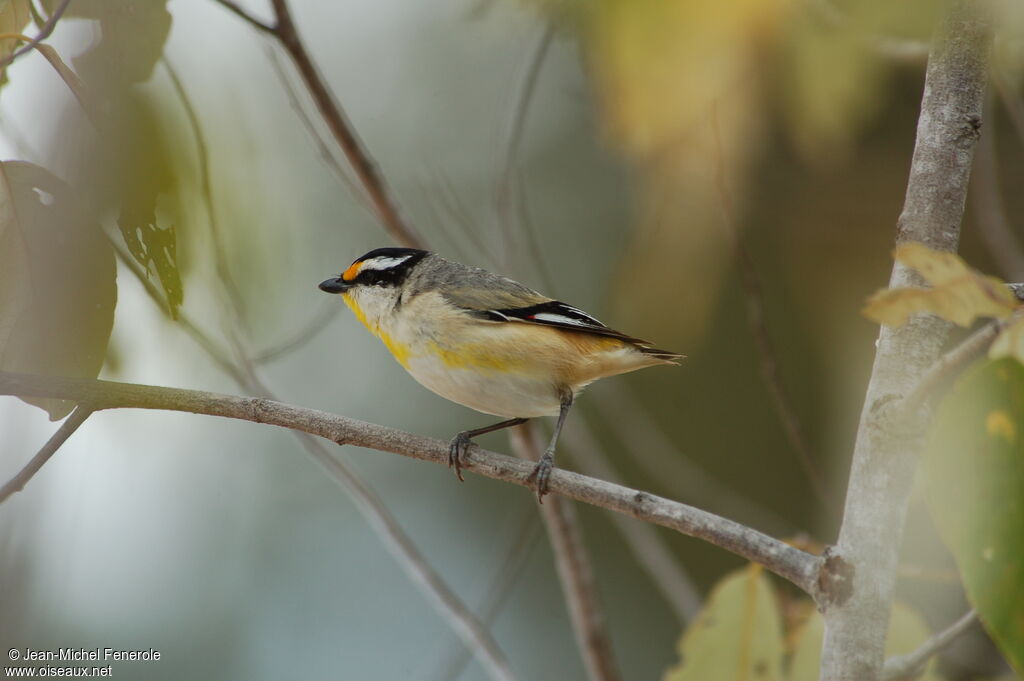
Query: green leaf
975,488
57,280
145,175
907,631
738,634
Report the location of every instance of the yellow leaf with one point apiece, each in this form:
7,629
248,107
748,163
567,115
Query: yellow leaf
738,634
959,293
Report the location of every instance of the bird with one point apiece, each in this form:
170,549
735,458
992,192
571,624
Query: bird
485,341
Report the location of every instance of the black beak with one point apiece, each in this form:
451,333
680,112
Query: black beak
335,285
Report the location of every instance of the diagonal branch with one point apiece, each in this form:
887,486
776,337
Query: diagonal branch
43,34
767,354
365,168
911,665
792,564
70,425
575,572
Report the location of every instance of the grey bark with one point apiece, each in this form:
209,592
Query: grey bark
885,456
799,567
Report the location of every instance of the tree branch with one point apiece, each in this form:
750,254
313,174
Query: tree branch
575,572
343,132
233,7
70,425
337,122
792,564
885,457
910,666
649,551
771,373
43,34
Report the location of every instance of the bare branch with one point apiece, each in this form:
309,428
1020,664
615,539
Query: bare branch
316,324
652,449
233,7
70,425
769,358
911,665
575,572
671,578
797,566
947,366
43,34
344,134
990,211
884,457
511,567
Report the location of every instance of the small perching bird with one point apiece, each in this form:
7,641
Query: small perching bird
485,341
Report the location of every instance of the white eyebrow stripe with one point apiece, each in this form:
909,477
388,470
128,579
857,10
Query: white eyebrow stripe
383,263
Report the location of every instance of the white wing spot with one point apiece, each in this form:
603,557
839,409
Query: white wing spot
557,319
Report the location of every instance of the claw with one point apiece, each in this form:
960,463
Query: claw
541,474
456,450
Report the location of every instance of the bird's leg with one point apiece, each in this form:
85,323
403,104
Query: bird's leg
460,443
542,471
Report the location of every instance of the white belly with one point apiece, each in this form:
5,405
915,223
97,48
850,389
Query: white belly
490,391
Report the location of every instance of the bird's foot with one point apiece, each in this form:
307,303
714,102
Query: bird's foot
541,474
457,452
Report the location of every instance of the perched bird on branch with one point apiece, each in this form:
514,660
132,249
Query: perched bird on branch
485,341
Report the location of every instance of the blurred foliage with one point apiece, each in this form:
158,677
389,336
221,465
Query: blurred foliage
133,157
974,465
739,634
57,280
683,88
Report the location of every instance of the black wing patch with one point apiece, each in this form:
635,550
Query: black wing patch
556,314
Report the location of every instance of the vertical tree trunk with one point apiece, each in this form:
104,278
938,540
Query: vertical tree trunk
884,458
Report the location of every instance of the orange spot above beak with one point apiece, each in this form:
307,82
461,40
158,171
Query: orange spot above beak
351,272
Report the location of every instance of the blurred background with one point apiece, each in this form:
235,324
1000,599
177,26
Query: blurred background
609,154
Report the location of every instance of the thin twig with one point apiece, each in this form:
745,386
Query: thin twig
790,563
756,320
307,332
911,665
70,425
653,450
575,572
1012,105
43,34
648,549
236,303
344,134
325,152
448,604
947,366
233,7
990,211
517,124
511,567
365,168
